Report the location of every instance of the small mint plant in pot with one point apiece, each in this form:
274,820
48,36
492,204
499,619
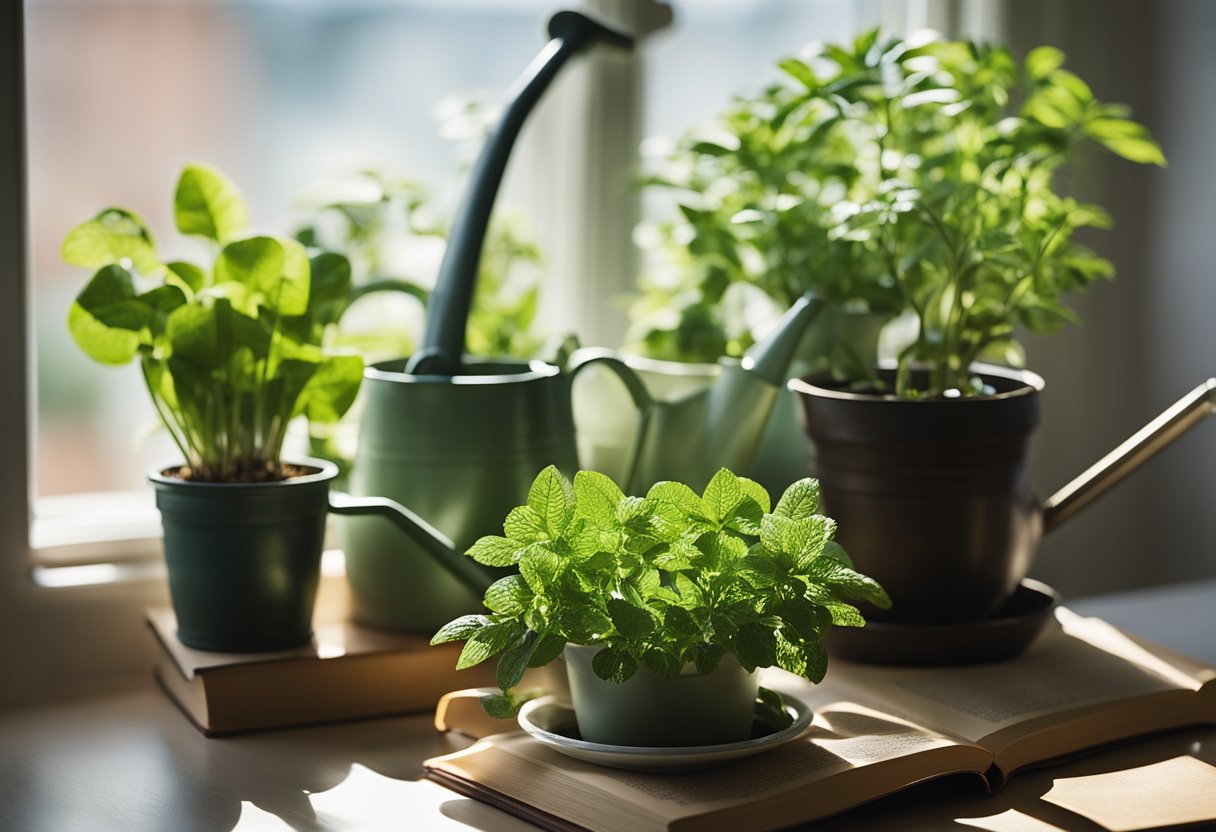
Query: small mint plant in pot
663,606
231,351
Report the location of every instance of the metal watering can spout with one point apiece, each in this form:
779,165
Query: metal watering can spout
739,403
438,547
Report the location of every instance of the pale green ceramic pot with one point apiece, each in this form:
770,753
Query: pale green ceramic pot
647,711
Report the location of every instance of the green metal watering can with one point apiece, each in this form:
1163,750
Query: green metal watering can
460,443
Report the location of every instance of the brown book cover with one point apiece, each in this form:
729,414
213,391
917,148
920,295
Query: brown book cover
347,672
877,730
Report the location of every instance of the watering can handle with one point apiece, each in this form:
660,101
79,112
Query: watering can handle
642,400
1135,451
435,543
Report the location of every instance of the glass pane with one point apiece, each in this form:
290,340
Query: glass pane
279,95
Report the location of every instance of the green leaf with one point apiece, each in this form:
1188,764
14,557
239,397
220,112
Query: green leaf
508,596
495,551
524,526
329,287
746,517
460,629
274,271
679,624
816,663
706,657
1042,61
548,648
108,320
113,236
597,496
845,615
629,620
755,645
661,663
614,665
583,622
800,501
206,203
799,71
500,705
332,389
540,567
487,641
1126,138
721,495
189,274
515,661
849,582
551,498
758,493
677,494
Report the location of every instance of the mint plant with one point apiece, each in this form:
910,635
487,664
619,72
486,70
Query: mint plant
892,173
661,582
231,350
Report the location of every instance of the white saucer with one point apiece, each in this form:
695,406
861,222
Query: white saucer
552,722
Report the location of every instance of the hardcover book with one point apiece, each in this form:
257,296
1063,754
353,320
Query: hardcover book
877,730
347,672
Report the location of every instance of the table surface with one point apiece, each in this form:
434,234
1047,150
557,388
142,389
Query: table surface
131,762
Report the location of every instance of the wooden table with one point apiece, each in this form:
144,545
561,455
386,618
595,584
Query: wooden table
129,762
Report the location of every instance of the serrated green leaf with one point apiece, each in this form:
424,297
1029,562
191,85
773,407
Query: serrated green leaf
552,499
583,622
816,663
661,663
515,661
847,582
800,501
492,550
523,525
460,629
707,657
508,596
500,705
597,496
678,555
489,640
845,615
836,552
540,567
548,648
677,494
679,624
757,492
746,516
790,656
614,665
630,621
721,495
755,646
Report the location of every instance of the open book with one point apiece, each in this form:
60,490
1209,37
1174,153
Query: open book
877,730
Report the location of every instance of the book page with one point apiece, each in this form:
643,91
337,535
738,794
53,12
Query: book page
845,738
1076,663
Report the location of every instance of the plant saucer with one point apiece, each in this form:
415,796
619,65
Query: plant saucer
551,721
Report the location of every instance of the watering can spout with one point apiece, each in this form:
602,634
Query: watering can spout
740,401
770,358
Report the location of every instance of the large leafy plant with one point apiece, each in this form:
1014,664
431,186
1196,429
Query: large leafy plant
663,581
230,350
931,171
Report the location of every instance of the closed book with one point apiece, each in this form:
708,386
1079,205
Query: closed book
346,672
877,730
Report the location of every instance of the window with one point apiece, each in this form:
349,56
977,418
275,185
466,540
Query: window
283,94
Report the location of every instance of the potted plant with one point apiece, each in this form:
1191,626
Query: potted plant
959,159
230,351
663,606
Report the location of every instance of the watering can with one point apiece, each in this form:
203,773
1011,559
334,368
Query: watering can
460,443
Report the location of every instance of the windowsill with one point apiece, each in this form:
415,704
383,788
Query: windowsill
107,528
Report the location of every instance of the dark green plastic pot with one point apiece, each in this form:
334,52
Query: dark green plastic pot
244,560
651,712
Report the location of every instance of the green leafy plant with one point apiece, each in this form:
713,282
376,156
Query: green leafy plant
661,582
929,169
230,351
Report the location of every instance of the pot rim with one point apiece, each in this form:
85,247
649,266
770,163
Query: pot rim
323,471
1030,381
532,370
